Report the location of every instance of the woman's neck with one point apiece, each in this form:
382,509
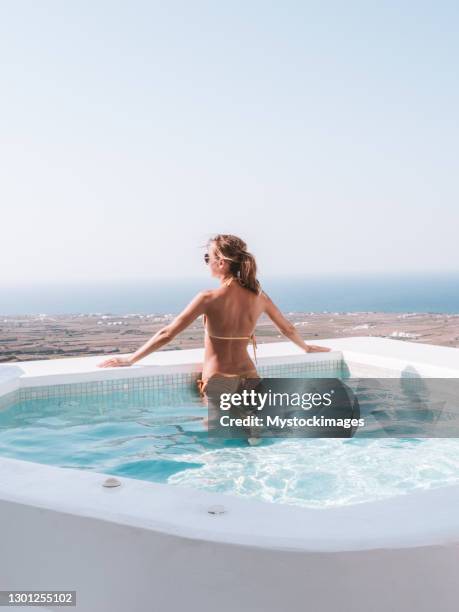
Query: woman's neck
226,280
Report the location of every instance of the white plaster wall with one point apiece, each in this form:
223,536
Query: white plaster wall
115,568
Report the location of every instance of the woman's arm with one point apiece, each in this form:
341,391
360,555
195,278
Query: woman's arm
288,329
195,308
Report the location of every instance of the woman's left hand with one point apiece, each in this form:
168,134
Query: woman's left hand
115,362
313,348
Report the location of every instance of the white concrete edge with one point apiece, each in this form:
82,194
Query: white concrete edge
393,355
420,518
85,369
9,387
399,367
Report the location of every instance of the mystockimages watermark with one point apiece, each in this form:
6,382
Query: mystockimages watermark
281,407
333,408
289,422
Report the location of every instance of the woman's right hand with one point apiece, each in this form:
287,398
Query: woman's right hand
313,348
116,362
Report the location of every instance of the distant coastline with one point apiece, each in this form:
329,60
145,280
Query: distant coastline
48,321
404,293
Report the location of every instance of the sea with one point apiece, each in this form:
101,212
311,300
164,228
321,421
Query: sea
422,293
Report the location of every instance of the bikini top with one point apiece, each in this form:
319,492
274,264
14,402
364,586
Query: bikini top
251,337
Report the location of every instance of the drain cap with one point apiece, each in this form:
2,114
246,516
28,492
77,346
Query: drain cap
111,482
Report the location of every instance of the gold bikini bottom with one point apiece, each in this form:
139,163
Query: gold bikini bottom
242,376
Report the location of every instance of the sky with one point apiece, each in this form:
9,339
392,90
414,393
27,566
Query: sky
325,134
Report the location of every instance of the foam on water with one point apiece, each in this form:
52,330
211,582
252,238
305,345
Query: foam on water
326,473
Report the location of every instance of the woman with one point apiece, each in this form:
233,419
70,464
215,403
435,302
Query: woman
230,315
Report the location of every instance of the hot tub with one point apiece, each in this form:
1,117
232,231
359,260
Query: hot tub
359,526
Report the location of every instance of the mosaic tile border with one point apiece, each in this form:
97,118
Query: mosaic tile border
173,381
303,367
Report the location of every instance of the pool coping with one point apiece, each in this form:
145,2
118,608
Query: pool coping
417,518
387,354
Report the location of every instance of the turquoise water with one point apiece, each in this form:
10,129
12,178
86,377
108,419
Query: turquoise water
158,435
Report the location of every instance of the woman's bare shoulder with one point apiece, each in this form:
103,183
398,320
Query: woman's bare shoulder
209,295
264,297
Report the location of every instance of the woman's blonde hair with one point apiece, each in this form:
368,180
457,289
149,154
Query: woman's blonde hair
242,263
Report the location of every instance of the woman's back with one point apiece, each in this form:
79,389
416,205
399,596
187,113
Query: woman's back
231,315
